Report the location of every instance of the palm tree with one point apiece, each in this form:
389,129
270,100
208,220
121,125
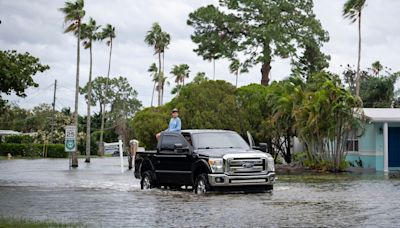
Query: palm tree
73,14
180,72
154,75
108,32
159,40
234,68
88,35
352,10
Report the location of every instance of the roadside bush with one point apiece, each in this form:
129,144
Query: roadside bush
56,151
33,150
18,139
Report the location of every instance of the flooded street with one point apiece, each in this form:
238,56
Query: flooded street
98,194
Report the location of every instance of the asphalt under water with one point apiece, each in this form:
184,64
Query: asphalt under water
99,195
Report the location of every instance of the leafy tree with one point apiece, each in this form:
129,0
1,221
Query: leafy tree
145,129
73,14
376,88
352,10
101,94
89,34
204,105
258,29
378,91
16,73
117,92
311,61
253,109
209,105
159,40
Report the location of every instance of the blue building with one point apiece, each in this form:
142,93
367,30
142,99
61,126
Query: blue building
379,147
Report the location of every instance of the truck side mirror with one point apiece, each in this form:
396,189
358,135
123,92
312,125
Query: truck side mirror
178,147
263,147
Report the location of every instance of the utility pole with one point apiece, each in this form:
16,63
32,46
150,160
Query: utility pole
52,114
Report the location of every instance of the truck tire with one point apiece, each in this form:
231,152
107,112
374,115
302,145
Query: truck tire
270,187
147,180
201,185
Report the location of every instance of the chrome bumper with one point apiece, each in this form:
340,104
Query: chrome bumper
231,180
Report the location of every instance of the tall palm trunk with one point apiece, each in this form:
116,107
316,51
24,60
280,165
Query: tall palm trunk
213,69
89,100
103,109
78,41
159,80
359,56
237,75
163,64
109,59
101,146
152,95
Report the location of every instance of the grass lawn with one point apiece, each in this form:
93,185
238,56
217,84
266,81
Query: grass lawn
25,223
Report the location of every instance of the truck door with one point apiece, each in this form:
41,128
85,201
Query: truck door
173,167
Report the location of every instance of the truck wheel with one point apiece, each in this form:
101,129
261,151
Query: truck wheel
147,181
201,185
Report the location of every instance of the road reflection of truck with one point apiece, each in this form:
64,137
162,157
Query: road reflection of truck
207,160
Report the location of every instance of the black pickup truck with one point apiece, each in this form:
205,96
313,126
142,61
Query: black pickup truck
207,160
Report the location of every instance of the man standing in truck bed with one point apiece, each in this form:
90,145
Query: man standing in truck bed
174,123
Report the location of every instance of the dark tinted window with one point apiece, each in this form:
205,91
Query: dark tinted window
219,140
169,141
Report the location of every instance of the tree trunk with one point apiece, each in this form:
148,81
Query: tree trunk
75,154
89,99
265,69
288,157
101,144
103,108
237,75
159,79
109,59
213,69
152,95
359,56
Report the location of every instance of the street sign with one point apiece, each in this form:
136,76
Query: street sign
70,138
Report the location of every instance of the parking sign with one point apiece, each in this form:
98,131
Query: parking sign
70,138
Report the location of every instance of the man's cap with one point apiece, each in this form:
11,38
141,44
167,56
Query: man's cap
174,110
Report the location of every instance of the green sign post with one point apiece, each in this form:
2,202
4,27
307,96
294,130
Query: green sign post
70,140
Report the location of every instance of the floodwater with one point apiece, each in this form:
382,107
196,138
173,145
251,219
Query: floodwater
99,195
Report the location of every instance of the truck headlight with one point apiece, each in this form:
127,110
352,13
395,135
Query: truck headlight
271,165
216,164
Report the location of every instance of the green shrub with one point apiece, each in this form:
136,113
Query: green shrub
15,149
33,150
18,139
56,151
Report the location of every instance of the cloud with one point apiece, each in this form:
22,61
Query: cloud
37,27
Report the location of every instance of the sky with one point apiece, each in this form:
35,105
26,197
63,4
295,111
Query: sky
37,27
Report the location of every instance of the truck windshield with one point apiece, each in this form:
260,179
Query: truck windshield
219,140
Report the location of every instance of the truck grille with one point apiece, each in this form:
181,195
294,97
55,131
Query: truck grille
245,165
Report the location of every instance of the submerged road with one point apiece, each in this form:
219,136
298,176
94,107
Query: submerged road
99,195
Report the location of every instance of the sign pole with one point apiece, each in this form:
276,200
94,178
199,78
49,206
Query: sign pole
70,142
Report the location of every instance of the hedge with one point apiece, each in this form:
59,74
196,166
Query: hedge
33,150
18,139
